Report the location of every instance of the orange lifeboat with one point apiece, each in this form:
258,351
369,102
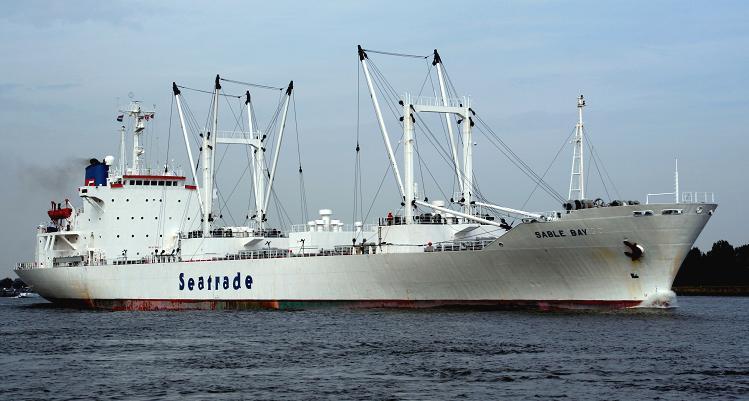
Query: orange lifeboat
59,213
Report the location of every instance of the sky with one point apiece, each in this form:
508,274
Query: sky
663,80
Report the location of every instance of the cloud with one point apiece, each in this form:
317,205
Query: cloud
56,87
8,87
42,14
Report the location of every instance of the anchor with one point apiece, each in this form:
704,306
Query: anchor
635,251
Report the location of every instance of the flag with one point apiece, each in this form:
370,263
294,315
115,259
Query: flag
120,117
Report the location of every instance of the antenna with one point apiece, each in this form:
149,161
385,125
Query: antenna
123,164
676,181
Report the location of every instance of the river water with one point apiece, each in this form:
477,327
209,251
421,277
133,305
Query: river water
699,350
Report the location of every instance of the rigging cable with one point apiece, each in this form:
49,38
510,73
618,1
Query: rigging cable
358,198
252,85
302,190
389,93
169,135
516,160
395,54
208,92
595,163
594,152
508,152
564,144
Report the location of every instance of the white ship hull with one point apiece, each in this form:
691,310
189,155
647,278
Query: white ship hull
576,261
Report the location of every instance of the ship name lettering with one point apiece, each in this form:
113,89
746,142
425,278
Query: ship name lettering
214,282
561,233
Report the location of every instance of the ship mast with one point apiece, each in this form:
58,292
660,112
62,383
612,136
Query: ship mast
441,105
209,145
467,135
577,177
408,159
254,139
258,164
139,116
381,122
443,92
178,97
272,176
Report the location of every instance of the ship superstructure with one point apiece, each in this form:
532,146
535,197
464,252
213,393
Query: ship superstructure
147,239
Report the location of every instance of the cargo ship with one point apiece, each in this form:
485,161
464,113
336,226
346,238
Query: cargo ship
146,238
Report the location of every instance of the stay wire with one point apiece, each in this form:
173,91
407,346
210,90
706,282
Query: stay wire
302,191
169,134
388,91
395,54
357,159
252,85
519,162
550,191
603,166
595,163
208,92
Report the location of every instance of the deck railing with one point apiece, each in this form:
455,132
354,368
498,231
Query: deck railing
469,245
300,228
270,253
686,197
